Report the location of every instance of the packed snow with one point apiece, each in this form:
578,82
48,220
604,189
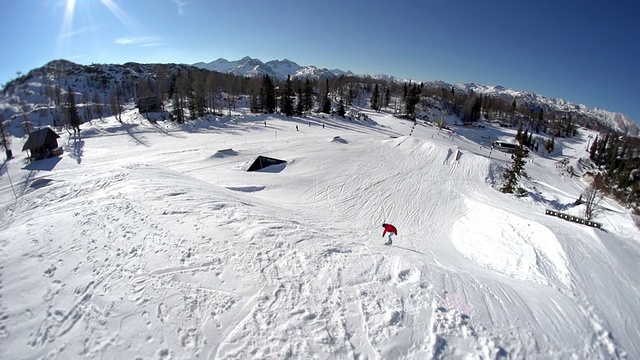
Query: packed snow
150,241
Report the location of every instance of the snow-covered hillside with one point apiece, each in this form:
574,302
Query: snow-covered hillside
32,94
248,66
149,241
614,120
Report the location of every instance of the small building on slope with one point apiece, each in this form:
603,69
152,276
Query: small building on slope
42,143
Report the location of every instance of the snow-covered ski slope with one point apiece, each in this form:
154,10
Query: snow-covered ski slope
149,241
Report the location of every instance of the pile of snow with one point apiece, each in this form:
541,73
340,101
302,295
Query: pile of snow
511,245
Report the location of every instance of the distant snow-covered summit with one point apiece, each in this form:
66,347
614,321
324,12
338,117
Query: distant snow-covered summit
613,120
279,69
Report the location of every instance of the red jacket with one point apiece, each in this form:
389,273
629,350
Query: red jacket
389,228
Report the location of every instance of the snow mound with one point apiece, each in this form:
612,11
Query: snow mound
455,336
511,245
246,188
224,153
338,139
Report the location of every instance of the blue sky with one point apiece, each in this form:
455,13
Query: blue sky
582,51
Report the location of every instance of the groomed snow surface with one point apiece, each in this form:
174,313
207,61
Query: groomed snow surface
149,241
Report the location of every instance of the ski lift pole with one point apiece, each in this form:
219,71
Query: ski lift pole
11,182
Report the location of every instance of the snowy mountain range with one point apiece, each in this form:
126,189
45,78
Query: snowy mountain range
28,90
614,120
280,69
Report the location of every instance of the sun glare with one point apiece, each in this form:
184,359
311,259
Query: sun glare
124,18
67,22
68,28
68,17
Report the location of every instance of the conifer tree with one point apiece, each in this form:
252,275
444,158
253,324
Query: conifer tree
602,147
300,104
515,172
405,92
634,197
270,95
341,110
471,109
375,99
550,145
386,99
326,102
287,104
540,121
524,137
593,149
307,96
614,149
254,103
570,129
618,162
261,99
519,134
412,98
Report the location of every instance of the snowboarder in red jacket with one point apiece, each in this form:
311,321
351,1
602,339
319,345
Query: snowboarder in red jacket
388,228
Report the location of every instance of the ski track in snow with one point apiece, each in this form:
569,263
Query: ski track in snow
164,251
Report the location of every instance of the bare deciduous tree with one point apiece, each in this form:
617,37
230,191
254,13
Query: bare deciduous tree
4,134
97,105
161,87
26,124
114,103
591,199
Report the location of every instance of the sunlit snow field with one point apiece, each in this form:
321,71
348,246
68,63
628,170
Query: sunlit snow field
150,241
